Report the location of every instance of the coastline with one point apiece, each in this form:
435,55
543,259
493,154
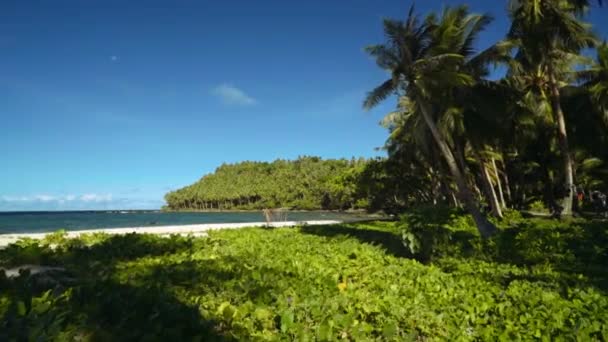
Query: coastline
349,211
191,229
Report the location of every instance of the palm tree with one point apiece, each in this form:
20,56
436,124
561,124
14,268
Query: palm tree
488,117
596,80
411,144
549,32
425,63
484,109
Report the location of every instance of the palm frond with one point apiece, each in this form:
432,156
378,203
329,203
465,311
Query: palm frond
499,53
379,94
602,55
386,58
587,75
591,163
473,26
445,60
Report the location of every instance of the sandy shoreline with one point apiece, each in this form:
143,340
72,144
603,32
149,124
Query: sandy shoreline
194,229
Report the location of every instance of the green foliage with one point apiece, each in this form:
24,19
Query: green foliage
538,207
434,232
307,183
533,134
539,280
26,251
571,246
36,318
57,238
511,217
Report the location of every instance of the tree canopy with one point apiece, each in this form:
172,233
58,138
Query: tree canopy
304,183
532,135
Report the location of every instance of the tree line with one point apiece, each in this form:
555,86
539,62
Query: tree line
310,183
538,131
305,183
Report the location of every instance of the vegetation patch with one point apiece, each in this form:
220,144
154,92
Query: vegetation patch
343,282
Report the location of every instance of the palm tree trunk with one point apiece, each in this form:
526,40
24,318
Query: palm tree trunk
444,185
434,187
460,155
501,196
485,227
454,199
478,192
506,179
548,190
486,183
563,144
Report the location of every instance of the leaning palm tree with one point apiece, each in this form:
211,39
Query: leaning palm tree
490,111
425,62
549,32
411,143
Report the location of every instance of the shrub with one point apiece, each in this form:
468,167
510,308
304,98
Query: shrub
57,238
434,231
539,207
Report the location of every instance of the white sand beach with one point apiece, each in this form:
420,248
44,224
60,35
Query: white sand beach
193,229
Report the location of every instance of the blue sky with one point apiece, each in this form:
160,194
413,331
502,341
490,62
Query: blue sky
110,104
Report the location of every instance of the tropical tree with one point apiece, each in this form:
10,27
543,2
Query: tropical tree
426,62
411,145
549,32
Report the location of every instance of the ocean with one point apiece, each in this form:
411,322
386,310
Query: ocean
50,221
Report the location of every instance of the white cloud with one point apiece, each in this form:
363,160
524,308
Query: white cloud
232,95
113,58
96,198
44,198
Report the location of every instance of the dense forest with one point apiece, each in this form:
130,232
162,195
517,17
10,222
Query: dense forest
305,183
537,130
310,183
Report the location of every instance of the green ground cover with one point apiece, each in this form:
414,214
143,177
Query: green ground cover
537,279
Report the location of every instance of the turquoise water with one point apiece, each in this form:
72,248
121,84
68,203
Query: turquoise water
32,222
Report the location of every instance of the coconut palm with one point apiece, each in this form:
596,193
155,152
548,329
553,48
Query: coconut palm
549,32
426,62
411,144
